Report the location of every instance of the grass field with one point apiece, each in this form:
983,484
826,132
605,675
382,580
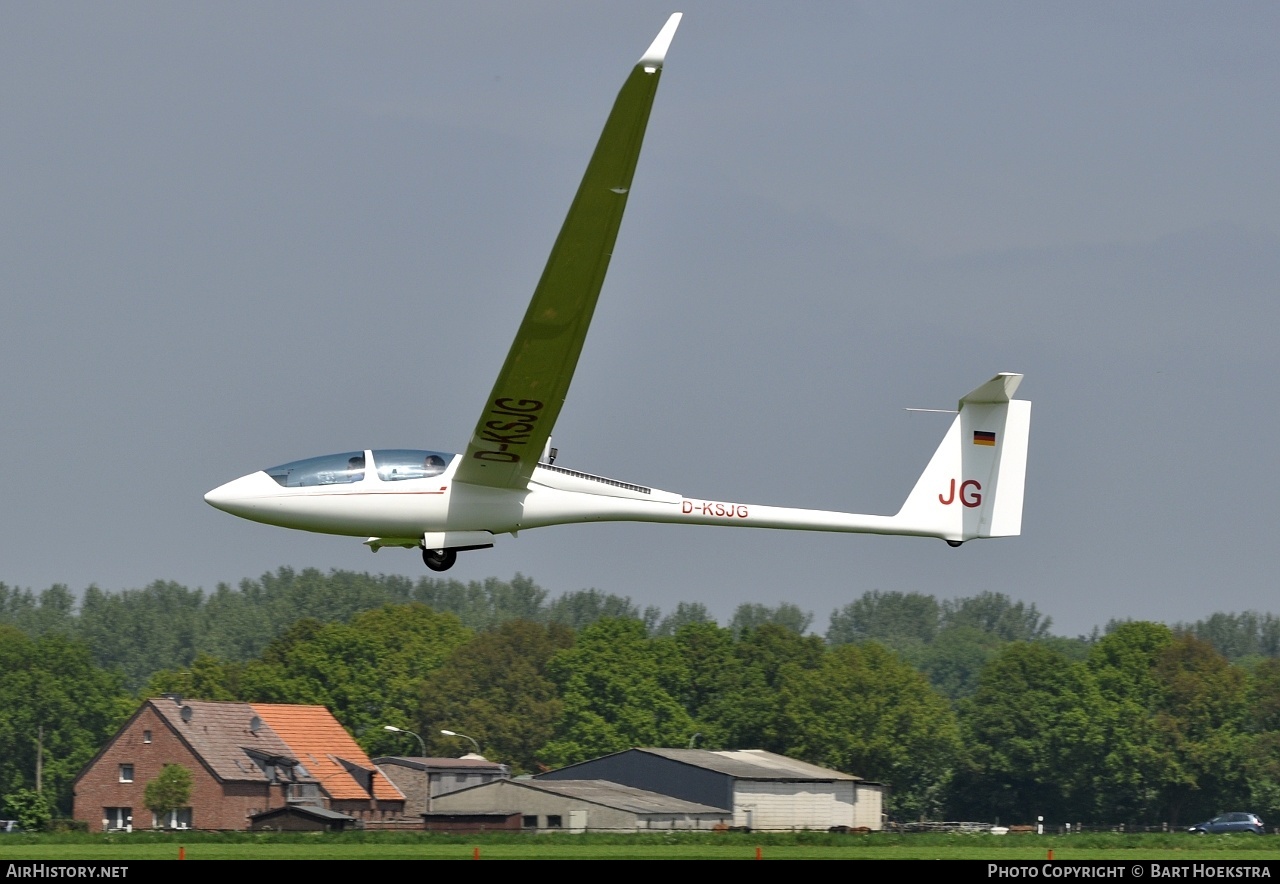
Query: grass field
680,846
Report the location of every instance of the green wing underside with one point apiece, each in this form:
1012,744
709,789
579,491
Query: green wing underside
518,417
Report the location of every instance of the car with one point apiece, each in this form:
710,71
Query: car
9,827
1230,822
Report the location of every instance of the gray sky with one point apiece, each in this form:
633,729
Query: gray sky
238,234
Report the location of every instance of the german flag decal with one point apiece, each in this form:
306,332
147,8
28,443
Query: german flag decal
982,437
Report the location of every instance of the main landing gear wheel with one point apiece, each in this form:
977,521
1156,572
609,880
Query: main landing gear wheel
439,559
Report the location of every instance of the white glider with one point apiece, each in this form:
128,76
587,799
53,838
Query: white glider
506,481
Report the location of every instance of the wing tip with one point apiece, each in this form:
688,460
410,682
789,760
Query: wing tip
657,51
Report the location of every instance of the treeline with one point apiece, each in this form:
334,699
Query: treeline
966,707
165,624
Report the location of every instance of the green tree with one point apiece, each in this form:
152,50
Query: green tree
367,672
951,642
620,690
288,596
57,707
745,701
484,605
707,655
1238,636
133,629
239,624
169,791
898,620
686,613
580,609
750,616
956,658
1262,766
1032,736
1135,763
207,678
497,690
51,611
1175,715
1201,721
999,615
864,711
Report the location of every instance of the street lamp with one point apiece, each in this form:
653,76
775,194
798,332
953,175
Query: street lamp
465,737
400,730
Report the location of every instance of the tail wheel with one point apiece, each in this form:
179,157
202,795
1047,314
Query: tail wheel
439,559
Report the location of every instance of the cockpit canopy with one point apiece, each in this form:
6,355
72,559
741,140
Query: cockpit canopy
389,465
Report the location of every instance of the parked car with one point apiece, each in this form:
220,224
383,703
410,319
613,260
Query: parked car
1230,822
9,827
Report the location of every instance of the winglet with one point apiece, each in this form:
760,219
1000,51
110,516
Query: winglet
657,51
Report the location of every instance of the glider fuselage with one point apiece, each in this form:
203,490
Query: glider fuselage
399,511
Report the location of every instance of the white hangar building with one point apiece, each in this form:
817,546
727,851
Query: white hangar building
764,791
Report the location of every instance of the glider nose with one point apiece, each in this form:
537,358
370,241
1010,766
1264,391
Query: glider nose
239,495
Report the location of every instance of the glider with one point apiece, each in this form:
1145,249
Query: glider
507,480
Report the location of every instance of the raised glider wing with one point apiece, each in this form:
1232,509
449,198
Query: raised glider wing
506,482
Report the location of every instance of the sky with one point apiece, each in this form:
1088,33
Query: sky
244,233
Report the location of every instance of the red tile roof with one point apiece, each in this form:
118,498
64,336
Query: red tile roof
329,753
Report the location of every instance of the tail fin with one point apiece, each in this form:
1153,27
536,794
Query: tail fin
973,485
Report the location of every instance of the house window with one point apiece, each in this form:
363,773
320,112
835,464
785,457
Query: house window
174,819
530,821
146,737
303,793
116,818
553,821
126,773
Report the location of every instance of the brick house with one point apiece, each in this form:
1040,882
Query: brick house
244,759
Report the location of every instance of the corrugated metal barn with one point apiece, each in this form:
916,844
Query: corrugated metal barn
765,791
582,806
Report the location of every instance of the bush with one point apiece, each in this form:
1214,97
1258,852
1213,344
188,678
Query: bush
30,808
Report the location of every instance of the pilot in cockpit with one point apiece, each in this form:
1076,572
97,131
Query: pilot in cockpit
355,468
433,465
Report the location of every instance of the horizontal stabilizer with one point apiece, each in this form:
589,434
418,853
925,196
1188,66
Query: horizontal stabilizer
999,389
